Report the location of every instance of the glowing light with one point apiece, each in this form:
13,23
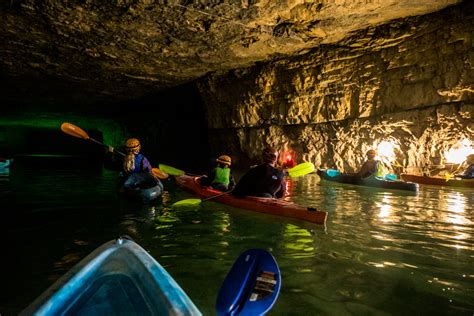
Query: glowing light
386,149
459,152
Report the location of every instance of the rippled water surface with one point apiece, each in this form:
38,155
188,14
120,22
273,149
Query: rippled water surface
381,252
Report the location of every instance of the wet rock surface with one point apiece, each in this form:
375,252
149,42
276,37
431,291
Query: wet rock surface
124,49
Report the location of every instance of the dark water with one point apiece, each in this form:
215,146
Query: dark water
381,253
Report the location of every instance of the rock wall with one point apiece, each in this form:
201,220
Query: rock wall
410,82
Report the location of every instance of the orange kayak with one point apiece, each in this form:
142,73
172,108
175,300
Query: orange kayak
466,183
257,204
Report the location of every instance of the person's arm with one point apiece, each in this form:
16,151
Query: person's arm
281,191
231,182
146,165
363,170
207,179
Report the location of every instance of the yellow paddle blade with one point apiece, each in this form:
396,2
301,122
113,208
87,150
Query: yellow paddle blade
187,203
159,174
170,170
301,169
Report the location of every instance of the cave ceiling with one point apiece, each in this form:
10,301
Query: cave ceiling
124,49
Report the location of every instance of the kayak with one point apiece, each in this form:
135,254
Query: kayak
453,182
257,204
146,195
145,188
118,278
4,166
371,181
252,285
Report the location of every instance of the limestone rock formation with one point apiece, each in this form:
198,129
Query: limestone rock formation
410,83
126,48
324,79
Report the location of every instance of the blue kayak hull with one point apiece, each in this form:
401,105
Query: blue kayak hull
145,195
140,186
371,181
118,278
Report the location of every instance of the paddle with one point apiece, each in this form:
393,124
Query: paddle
171,170
196,202
78,132
252,285
297,171
301,169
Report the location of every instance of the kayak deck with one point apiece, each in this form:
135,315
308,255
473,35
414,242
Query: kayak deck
4,166
118,278
371,181
253,282
466,183
258,204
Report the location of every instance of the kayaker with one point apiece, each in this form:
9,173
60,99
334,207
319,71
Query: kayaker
469,172
136,169
220,178
265,180
371,166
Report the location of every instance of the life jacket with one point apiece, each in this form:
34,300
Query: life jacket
379,172
222,175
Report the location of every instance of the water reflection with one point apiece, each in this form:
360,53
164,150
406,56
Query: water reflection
298,241
383,252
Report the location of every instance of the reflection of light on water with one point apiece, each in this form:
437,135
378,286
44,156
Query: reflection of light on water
457,222
459,152
456,205
298,239
384,212
385,209
223,224
382,264
288,187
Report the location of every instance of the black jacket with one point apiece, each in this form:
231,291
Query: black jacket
263,180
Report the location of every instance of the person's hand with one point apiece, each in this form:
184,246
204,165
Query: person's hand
110,149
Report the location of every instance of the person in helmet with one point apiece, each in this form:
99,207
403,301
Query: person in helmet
220,178
136,168
264,180
371,166
469,171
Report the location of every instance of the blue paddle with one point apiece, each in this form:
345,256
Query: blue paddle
252,285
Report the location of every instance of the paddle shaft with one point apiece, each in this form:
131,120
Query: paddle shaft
97,142
216,196
78,132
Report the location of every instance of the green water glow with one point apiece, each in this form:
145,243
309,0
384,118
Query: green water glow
112,132
381,253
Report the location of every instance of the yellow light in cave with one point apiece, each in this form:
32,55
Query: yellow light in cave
385,149
459,152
